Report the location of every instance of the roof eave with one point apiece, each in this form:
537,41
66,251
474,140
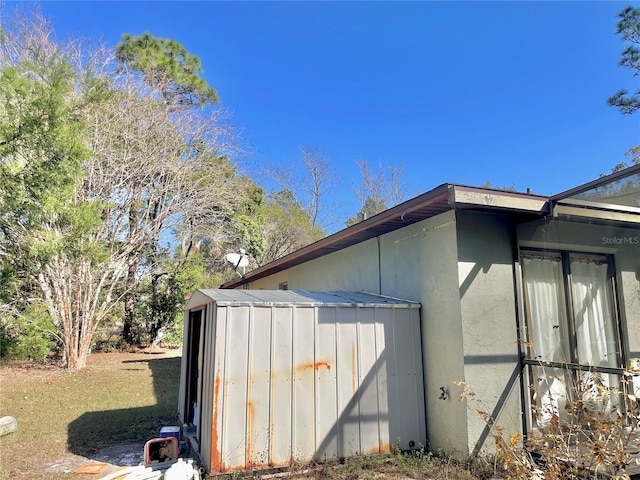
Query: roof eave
356,232
439,200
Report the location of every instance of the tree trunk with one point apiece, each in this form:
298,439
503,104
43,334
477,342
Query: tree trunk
78,301
127,328
132,262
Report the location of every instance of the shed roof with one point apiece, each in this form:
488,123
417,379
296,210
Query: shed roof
294,298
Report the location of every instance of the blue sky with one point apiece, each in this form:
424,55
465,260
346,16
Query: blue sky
465,92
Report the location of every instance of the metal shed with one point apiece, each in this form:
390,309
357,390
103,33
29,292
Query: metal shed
271,377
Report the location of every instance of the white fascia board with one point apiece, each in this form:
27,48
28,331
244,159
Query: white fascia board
566,210
478,197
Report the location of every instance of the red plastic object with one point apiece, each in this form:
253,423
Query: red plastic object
161,450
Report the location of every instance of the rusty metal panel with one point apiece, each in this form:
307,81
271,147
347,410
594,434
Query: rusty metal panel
326,426
284,382
212,421
347,393
208,426
235,406
258,388
405,377
367,377
382,327
392,371
304,394
282,377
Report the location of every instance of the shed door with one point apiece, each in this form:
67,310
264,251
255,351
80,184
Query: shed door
194,365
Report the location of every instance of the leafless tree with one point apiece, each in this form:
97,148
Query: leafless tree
380,189
310,181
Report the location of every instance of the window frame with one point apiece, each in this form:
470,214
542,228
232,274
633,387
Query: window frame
565,258
573,368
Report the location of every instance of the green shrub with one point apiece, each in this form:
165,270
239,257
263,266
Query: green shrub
173,335
29,335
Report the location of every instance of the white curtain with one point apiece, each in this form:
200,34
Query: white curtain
595,333
546,308
548,329
594,320
549,332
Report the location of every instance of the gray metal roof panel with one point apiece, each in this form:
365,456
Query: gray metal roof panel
226,297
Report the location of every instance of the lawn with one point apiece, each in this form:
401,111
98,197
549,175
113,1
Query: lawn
118,398
65,419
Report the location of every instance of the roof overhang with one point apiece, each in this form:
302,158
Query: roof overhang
441,199
487,199
613,198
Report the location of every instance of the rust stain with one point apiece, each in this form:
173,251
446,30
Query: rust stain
316,366
272,428
384,447
215,452
251,415
267,464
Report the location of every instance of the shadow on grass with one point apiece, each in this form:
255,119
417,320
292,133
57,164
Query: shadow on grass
93,431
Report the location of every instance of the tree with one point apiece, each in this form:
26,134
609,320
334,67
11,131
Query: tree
95,170
633,154
171,189
168,68
286,227
510,188
308,184
212,228
378,190
629,29
46,244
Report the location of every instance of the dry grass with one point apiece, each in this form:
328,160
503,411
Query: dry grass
127,397
119,397
406,466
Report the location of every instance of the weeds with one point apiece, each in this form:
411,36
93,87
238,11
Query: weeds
582,428
415,464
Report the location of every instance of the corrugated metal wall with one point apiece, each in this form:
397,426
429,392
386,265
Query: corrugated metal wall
293,383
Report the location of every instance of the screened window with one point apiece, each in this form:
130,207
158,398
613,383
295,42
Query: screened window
573,334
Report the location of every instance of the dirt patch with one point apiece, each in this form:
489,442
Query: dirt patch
125,454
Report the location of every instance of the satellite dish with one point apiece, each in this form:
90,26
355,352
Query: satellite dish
238,259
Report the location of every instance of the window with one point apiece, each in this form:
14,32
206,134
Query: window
283,286
573,333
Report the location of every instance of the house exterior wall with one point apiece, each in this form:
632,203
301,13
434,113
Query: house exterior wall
354,268
623,243
460,266
269,283
489,324
419,263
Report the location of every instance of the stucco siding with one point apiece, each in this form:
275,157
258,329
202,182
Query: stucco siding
272,282
354,268
419,263
487,300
